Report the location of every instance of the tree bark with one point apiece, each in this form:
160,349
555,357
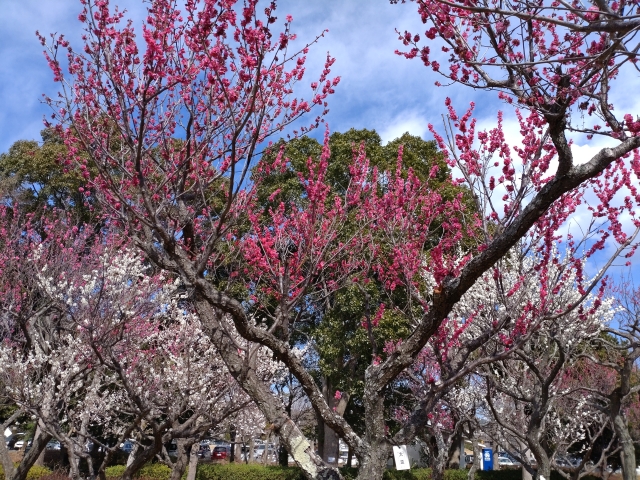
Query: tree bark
543,462
142,457
20,472
627,452
476,459
74,464
40,460
290,435
193,463
232,438
180,465
440,456
374,461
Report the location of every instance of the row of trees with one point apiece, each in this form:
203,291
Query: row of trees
437,288
567,387
97,349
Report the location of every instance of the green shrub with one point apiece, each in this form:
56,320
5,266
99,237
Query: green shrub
114,471
236,471
35,473
154,471
151,471
349,473
413,474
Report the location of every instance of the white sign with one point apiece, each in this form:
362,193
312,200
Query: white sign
401,457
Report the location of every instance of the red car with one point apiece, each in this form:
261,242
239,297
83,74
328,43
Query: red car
219,453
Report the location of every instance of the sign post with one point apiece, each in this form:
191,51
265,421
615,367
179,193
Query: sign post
401,457
487,459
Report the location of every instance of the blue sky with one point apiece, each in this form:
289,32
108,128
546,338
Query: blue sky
379,90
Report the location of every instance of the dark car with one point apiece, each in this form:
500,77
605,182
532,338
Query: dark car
219,453
204,452
127,446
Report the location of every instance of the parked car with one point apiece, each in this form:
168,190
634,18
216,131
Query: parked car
204,452
127,446
19,444
172,448
13,439
219,453
342,460
258,452
567,461
53,445
506,462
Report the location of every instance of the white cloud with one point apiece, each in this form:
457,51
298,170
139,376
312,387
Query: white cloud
411,122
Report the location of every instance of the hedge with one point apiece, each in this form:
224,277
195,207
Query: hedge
35,473
151,471
257,472
239,471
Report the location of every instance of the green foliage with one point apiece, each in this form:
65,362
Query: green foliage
335,325
151,471
154,471
239,471
235,471
35,473
115,471
31,174
419,155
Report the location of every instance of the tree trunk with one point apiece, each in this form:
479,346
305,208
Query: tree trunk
251,449
283,456
40,460
29,459
296,443
476,459
331,445
627,453
526,474
132,455
456,450
193,463
232,450
265,454
238,449
320,430
74,464
440,456
544,470
462,459
374,462
143,456
90,466
180,465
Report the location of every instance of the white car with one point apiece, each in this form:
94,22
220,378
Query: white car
53,445
506,462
